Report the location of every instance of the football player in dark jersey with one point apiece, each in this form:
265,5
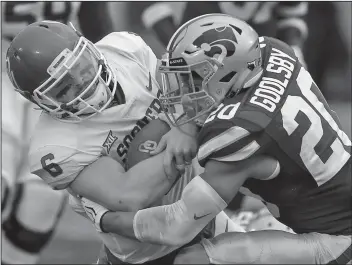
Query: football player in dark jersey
267,132
28,225
284,20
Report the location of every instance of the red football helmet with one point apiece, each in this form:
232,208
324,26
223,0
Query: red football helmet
208,58
54,66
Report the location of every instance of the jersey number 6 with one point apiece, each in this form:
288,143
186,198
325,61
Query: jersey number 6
53,169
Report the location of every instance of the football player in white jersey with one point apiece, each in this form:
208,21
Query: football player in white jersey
95,98
24,232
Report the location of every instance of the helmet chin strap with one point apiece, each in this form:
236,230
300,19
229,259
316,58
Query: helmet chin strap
247,78
254,77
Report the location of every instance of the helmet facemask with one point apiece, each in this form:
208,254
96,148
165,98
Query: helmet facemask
185,91
81,84
194,89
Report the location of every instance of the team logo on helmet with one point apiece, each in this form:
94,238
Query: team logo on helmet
219,39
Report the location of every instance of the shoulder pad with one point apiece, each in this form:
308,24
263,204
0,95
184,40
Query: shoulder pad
239,112
269,43
125,42
132,47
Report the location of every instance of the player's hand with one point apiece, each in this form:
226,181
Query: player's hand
94,211
299,53
181,147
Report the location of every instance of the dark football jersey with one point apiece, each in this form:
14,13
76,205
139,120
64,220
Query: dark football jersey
286,117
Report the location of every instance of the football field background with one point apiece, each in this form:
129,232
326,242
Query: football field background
75,240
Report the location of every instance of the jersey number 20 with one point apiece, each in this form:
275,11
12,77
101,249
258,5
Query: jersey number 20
326,164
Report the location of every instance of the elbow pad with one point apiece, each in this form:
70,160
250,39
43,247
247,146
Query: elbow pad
180,222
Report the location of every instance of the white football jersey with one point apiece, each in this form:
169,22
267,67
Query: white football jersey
18,120
60,150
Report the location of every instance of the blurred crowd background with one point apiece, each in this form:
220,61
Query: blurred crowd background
327,49
327,52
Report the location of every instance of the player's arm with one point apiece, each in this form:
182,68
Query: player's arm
202,200
206,195
230,155
260,247
104,180
95,19
158,16
105,183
